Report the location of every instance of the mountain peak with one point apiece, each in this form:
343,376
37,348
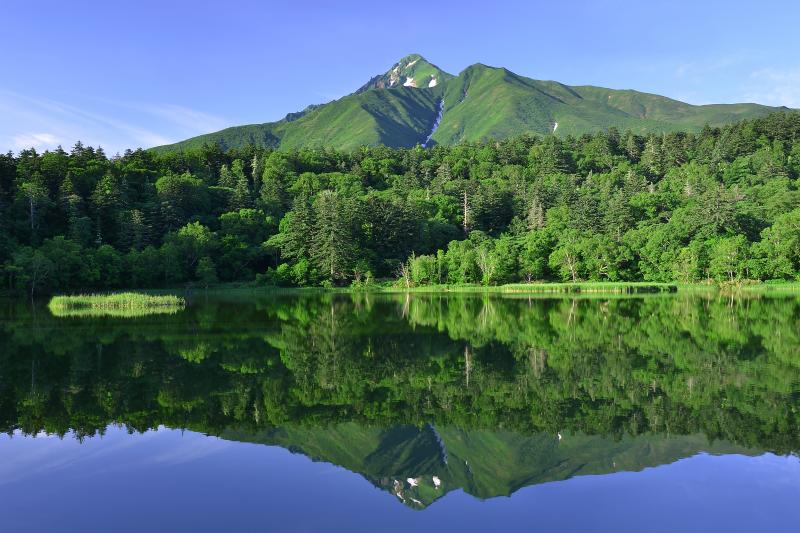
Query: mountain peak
482,102
481,67
411,71
410,58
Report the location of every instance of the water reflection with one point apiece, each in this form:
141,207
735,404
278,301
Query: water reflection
424,394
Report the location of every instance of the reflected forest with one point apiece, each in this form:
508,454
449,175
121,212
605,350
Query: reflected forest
416,384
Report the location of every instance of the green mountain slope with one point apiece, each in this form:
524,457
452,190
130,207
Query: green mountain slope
420,465
396,117
485,102
399,109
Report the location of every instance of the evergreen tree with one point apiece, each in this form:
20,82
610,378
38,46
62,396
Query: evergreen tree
241,197
257,174
107,200
226,177
550,157
333,244
652,157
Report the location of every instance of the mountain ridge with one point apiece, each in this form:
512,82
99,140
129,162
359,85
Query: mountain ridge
420,465
400,108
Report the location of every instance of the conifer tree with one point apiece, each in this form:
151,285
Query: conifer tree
334,251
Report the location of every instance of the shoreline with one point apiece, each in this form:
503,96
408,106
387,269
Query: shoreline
515,289
586,288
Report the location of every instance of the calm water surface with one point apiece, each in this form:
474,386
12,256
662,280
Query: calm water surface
404,413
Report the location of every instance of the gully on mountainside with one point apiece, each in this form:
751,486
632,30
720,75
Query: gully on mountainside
435,124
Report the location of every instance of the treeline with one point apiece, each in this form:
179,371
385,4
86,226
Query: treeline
722,204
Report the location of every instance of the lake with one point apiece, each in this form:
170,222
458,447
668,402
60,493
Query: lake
395,412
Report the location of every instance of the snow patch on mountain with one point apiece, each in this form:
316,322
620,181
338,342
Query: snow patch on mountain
435,127
555,127
394,76
433,82
410,82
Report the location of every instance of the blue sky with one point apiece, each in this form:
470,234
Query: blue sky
140,73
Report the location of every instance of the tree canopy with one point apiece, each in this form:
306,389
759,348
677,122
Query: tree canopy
722,204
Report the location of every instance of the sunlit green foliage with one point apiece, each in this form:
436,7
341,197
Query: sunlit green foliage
123,304
721,205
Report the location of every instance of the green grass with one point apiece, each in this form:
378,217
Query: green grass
132,304
548,288
123,304
765,287
543,288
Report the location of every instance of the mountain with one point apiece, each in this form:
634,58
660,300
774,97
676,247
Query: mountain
419,465
416,102
411,71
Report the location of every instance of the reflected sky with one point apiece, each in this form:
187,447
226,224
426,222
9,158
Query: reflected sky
173,480
335,412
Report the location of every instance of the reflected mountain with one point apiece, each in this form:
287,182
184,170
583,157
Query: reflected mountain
421,465
425,394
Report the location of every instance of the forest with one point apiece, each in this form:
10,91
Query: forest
720,205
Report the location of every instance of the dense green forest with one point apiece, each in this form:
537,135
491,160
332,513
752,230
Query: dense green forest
722,204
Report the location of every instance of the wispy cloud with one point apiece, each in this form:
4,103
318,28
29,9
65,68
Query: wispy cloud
191,449
775,87
21,141
45,123
117,450
190,120
703,67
